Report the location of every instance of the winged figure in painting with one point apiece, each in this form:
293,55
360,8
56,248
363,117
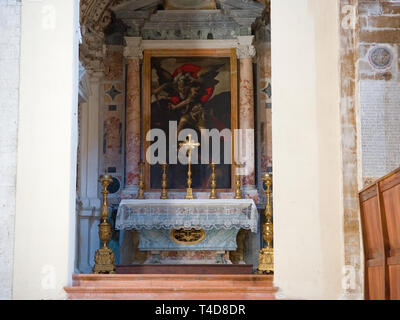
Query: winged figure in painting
188,89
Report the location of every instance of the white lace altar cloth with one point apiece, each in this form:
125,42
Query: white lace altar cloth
177,213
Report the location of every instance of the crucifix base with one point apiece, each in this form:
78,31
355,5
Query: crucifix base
189,194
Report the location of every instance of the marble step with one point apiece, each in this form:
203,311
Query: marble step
80,293
171,287
185,269
172,281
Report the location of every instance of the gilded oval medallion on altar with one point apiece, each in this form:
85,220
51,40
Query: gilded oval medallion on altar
187,236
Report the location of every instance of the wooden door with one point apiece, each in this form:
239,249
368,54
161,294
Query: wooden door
380,220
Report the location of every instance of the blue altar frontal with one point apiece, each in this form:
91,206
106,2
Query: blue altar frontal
187,225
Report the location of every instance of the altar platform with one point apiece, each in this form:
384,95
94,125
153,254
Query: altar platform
171,287
177,231
185,269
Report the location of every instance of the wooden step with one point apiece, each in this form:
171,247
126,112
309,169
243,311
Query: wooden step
185,269
171,287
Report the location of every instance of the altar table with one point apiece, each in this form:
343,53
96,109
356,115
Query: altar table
219,220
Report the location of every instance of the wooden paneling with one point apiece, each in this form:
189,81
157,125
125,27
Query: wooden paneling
372,227
376,279
391,201
394,276
380,220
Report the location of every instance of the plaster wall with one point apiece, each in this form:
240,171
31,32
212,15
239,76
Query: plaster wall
306,135
10,22
47,144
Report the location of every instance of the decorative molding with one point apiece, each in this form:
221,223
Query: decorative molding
135,45
236,17
189,44
134,48
95,14
95,77
130,6
84,84
245,47
190,5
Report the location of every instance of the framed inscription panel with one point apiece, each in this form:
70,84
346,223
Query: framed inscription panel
191,89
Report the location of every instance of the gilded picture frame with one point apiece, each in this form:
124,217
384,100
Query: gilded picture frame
188,54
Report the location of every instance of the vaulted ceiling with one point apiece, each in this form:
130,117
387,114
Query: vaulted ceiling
96,14
146,17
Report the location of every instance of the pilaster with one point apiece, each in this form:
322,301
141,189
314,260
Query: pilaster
133,53
246,52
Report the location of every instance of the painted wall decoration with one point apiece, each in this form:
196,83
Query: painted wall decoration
196,93
380,57
113,92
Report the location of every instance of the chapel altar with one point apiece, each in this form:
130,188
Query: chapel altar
188,231
172,75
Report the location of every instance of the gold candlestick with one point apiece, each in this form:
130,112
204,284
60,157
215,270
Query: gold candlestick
213,192
164,192
189,144
238,183
266,255
141,181
189,190
104,257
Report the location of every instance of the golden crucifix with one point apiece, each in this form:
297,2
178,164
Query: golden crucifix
189,144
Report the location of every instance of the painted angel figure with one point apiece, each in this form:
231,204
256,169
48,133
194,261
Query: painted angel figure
188,88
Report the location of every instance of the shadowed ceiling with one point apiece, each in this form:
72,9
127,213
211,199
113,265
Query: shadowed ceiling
96,14
98,18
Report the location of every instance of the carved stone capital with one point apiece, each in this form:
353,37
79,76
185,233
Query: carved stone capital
245,47
95,76
133,48
84,84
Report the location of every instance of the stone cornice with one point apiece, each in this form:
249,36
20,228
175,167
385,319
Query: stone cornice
189,44
243,45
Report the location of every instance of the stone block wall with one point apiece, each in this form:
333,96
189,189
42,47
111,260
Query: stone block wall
9,84
379,87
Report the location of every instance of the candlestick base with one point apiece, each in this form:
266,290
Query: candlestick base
104,261
266,260
213,194
189,194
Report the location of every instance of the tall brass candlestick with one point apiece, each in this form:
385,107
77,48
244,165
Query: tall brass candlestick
104,257
164,192
266,255
189,145
213,192
141,181
189,190
238,183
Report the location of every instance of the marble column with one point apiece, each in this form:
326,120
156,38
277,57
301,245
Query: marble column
133,53
245,52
